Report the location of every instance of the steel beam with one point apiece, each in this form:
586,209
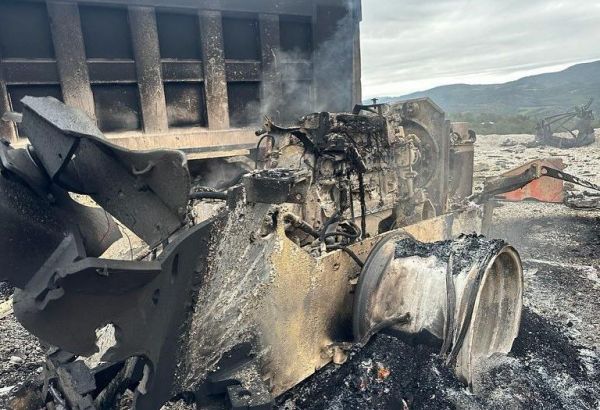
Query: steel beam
144,33
67,36
7,129
270,47
213,54
293,7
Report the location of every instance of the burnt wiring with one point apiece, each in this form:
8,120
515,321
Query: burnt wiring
333,240
363,203
349,252
298,223
260,141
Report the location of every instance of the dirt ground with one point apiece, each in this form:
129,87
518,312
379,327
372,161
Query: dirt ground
555,362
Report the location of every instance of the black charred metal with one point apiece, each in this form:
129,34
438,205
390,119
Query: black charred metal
276,186
213,287
36,216
222,196
578,119
78,158
73,296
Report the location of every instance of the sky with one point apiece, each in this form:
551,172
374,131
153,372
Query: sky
414,45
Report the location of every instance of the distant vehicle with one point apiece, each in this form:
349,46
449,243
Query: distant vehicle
578,119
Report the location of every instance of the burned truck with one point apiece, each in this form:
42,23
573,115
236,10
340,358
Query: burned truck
348,225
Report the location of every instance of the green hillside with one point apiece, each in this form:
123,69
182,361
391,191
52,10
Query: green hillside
515,106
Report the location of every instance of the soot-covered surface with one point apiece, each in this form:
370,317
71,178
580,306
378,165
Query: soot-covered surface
554,363
543,371
465,250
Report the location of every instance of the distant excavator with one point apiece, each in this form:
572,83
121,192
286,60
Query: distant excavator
580,118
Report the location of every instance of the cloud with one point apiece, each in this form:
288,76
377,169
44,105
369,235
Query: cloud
411,45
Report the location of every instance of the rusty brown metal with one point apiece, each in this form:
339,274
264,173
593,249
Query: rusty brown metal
545,189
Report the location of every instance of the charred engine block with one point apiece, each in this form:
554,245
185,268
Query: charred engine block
380,168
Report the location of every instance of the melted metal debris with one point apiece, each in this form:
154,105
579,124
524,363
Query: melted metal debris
466,250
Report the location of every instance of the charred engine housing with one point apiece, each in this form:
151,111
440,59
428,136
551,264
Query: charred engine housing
313,253
379,170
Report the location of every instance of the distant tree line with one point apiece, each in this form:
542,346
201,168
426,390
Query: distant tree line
483,123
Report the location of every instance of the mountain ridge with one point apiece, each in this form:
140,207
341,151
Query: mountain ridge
532,96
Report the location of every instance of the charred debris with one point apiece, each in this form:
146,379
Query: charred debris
576,124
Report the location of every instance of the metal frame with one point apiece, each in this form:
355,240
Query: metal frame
76,74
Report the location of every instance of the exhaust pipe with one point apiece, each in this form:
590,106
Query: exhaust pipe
464,296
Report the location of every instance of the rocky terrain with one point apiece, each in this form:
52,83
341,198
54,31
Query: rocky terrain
555,361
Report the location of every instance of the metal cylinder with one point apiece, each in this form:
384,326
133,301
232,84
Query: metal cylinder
464,296
462,158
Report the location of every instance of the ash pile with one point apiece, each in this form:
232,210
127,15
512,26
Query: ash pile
544,370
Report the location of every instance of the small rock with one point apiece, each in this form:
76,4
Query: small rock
383,373
508,143
16,360
6,390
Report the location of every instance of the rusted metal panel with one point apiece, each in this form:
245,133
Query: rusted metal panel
334,42
67,36
30,72
186,104
241,39
270,45
545,189
244,103
106,32
257,6
214,69
87,55
270,58
178,35
106,71
202,139
182,71
117,107
147,61
296,70
189,140
356,60
243,71
218,154
25,30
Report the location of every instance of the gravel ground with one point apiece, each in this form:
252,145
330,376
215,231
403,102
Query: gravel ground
555,361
